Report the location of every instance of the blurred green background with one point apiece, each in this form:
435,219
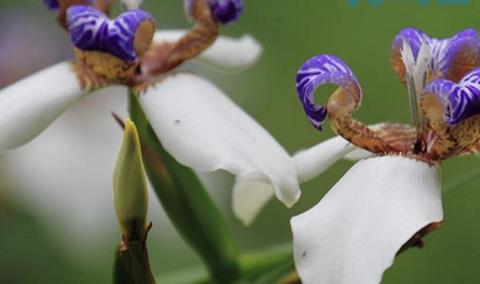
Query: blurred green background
32,250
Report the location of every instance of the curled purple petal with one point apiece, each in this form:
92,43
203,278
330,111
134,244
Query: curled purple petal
224,11
461,100
52,4
457,55
91,30
452,57
319,70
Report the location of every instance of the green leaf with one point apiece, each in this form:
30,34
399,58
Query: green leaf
187,204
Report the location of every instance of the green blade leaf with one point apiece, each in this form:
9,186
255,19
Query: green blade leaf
187,203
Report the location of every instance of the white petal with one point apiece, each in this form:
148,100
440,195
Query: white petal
358,154
422,65
249,197
229,54
354,232
30,105
416,68
204,129
407,58
314,161
65,174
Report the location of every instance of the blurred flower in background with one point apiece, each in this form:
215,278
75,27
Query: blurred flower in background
64,175
73,199
21,29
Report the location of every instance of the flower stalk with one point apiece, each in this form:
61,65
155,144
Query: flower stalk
131,264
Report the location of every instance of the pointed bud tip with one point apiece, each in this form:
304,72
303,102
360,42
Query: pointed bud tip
130,187
130,128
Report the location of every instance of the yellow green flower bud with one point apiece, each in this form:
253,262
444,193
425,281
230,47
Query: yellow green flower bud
130,186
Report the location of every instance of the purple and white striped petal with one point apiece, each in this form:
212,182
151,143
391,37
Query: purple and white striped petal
319,70
461,100
452,57
52,4
91,30
224,11
458,56
413,38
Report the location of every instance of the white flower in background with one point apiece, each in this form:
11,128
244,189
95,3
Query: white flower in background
132,4
20,29
386,203
199,125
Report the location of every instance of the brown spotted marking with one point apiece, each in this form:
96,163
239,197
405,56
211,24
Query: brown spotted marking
107,66
465,60
340,107
448,140
88,79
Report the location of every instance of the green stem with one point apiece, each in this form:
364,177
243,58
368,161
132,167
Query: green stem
132,264
254,266
187,203
276,274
